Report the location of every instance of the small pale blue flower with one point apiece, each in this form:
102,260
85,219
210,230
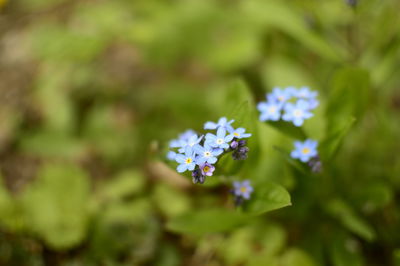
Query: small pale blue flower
279,95
186,161
182,139
304,151
297,112
191,142
306,93
242,189
207,154
270,110
222,122
239,133
220,140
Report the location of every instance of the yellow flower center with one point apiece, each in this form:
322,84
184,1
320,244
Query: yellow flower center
206,169
236,134
272,109
188,160
243,189
281,98
305,151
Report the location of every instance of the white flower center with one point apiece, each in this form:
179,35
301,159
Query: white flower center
220,141
207,154
272,109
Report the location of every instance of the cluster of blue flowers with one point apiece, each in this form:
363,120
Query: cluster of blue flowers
198,153
307,153
241,191
289,104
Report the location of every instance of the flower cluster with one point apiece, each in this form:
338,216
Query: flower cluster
199,153
289,104
307,153
241,191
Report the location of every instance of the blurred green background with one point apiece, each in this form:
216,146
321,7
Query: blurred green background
91,91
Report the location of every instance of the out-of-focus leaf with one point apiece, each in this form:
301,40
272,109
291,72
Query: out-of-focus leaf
288,129
345,251
200,222
350,220
127,183
296,257
280,16
330,145
56,205
349,97
53,144
11,214
171,201
374,196
266,197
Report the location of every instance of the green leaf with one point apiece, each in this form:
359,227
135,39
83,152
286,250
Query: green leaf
278,15
296,257
200,222
288,129
344,250
266,197
349,97
330,145
126,183
343,212
56,205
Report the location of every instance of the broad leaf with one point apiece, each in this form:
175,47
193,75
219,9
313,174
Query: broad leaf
267,196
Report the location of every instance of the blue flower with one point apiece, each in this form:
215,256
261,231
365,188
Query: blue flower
207,154
306,93
171,155
220,140
304,151
297,112
222,123
182,140
279,95
186,161
239,133
270,110
191,142
242,189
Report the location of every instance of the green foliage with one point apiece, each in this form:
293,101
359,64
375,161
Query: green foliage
92,91
56,205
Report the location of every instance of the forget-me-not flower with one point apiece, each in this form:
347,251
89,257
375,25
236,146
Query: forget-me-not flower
304,151
270,110
279,95
191,142
297,112
306,93
182,139
220,140
186,161
222,122
207,154
239,133
242,189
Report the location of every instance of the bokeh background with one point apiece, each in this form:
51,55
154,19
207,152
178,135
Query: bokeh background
91,91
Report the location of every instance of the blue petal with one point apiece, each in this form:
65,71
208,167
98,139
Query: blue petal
210,125
221,132
179,158
181,168
212,160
